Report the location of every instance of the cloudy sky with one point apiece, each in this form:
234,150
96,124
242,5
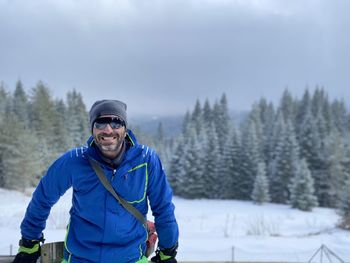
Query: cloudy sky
159,56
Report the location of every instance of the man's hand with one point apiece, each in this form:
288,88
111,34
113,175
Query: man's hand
165,255
28,251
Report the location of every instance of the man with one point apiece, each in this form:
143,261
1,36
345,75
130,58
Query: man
100,229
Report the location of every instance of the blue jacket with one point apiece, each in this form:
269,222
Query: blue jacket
100,229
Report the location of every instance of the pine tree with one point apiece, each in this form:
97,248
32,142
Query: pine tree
207,113
309,138
19,158
234,170
319,165
255,116
278,129
21,105
260,192
249,160
337,163
327,116
179,165
304,107
43,117
225,164
339,117
3,101
160,144
5,107
78,129
267,112
186,122
302,190
222,121
197,117
344,205
177,172
286,158
318,99
287,106
211,165
42,111
311,148
40,125
61,136
193,168
200,185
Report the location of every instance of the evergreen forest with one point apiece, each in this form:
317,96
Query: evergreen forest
295,153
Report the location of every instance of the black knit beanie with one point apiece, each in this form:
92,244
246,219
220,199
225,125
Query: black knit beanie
107,107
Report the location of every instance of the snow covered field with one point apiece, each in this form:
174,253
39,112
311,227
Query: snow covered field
212,229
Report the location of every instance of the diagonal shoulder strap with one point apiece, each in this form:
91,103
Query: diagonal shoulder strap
101,175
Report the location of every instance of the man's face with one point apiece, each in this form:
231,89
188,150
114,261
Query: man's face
108,139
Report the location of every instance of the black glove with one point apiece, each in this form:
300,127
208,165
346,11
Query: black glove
28,251
166,255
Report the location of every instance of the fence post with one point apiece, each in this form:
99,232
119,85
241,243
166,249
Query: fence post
233,254
52,252
11,250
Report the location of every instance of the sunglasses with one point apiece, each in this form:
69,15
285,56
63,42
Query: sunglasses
115,123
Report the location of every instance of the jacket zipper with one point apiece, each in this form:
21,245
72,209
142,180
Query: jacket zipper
113,175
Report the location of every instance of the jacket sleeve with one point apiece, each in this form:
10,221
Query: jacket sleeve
50,188
160,199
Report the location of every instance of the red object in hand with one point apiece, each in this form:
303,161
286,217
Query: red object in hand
152,238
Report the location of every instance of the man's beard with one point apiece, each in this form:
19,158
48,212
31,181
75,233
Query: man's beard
108,147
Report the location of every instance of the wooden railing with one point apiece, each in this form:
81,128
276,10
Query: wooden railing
53,253
6,259
9,259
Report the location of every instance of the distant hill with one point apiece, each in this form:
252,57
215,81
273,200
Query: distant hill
172,125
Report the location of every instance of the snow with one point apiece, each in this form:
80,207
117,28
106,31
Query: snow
212,229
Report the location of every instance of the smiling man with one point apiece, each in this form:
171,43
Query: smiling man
100,228
109,138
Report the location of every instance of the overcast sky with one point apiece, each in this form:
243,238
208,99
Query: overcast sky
159,56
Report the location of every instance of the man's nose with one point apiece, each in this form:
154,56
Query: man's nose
108,128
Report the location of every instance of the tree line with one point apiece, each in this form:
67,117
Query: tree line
296,153
35,130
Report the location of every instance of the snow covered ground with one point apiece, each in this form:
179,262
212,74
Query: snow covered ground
213,229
